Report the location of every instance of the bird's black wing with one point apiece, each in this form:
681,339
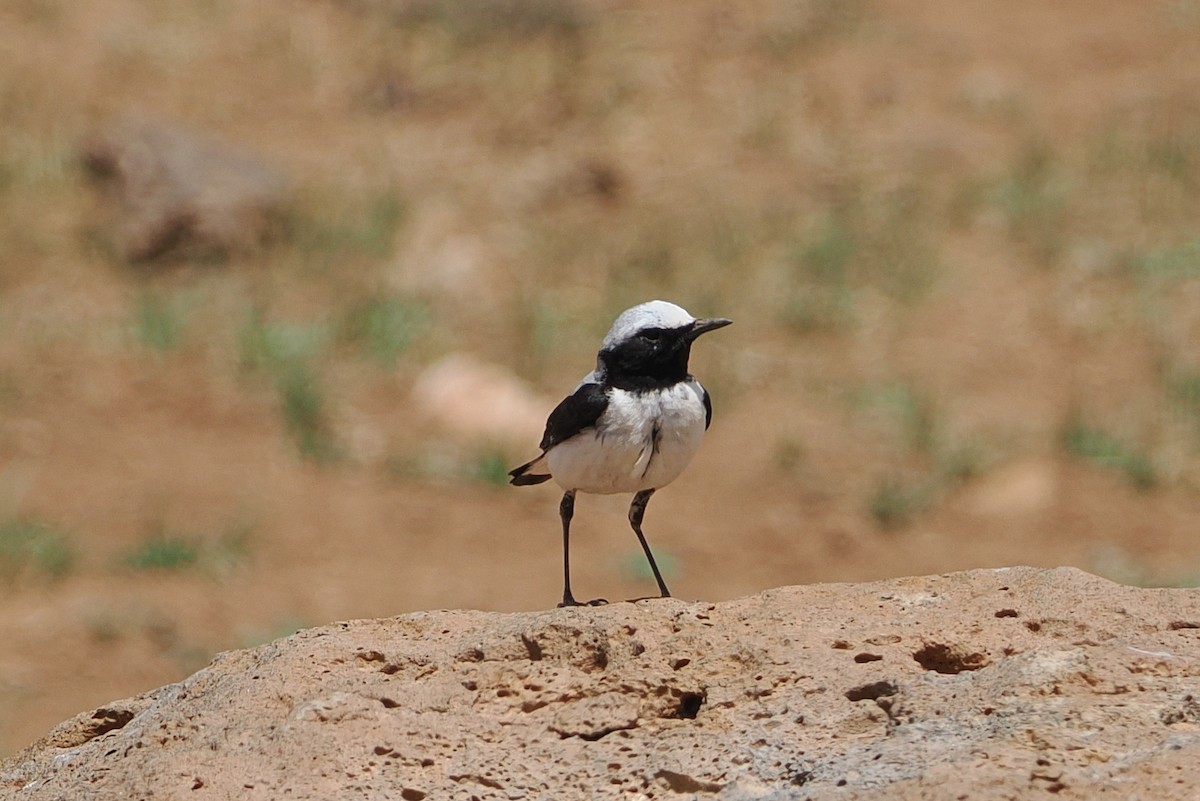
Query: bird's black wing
579,410
707,407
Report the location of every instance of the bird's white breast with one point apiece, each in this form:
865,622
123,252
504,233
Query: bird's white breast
643,440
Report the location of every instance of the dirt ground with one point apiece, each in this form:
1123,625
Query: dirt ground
958,241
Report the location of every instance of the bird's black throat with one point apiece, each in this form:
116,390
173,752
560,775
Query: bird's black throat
638,366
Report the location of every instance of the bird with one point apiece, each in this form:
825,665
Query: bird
631,425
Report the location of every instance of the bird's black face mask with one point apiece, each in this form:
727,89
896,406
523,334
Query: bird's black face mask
651,359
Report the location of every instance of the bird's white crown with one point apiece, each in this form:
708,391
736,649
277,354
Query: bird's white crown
652,314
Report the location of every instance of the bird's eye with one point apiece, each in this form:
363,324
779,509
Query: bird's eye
653,334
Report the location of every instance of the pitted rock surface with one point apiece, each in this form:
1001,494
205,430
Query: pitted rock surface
1008,683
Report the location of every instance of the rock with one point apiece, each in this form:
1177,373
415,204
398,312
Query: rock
471,398
182,191
988,684
1023,488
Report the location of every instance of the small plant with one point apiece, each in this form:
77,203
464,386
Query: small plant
914,414
168,550
491,467
286,352
162,551
1171,262
895,502
917,419
271,346
941,460
482,463
28,546
383,326
303,404
635,566
1100,447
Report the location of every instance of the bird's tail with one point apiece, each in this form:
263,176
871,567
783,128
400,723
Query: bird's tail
522,477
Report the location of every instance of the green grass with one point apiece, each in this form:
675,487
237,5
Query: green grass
634,564
912,413
168,550
480,463
1098,446
895,502
1171,262
27,547
938,462
491,467
163,551
384,326
288,353
269,346
158,323
302,403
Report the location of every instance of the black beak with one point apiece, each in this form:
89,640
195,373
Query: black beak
703,326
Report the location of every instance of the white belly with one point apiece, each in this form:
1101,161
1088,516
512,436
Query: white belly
642,441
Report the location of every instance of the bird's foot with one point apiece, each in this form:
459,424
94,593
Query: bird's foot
569,600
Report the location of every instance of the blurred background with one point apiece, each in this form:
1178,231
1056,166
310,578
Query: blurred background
286,287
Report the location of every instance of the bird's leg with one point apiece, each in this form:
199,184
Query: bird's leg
637,510
566,509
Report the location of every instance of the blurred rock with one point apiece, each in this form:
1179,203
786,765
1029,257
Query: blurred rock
1021,488
179,190
989,684
480,400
